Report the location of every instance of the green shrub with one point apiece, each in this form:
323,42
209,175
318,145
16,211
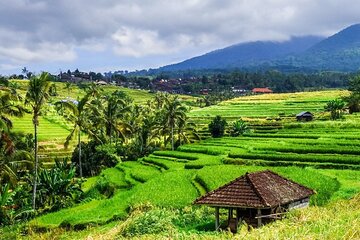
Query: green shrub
95,157
58,188
105,187
238,128
153,221
217,127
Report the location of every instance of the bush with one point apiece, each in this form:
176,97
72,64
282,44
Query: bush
238,128
217,127
94,157
153,221
58,187
105,187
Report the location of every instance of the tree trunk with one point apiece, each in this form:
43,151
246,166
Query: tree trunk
79,143
35,122
172,137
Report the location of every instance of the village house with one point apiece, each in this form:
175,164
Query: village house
261,90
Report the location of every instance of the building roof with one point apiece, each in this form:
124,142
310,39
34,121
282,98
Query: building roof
256,190
262,90
303,114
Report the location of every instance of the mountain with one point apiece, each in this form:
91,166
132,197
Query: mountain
339,52
244,54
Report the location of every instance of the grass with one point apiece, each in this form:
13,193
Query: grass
161,191
174,179
338,220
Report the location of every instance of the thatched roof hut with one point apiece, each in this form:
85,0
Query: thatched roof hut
255,197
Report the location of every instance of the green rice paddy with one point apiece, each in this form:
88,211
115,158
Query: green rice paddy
323,155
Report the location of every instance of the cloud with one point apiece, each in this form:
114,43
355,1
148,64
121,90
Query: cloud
40,31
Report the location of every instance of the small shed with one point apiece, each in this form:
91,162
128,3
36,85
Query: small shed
305,116
257,198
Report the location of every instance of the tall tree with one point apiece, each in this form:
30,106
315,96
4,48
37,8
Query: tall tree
37,96
76,113
187,132
10,105
353,100
173,113
117,105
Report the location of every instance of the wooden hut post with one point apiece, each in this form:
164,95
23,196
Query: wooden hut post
237,214
259,217
217,218
230,215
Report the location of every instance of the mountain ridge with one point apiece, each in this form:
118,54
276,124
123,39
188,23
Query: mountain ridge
339,52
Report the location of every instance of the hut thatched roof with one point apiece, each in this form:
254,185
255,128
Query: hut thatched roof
263,189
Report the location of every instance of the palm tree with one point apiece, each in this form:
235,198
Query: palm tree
173,113
12,161
116,107
187,132
9,106
36,96
76,113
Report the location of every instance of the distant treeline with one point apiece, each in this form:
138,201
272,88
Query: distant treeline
220,80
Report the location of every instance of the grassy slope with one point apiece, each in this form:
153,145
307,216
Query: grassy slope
338,220
173,179
268,105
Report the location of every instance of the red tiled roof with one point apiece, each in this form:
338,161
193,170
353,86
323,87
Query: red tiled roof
256,190
262,90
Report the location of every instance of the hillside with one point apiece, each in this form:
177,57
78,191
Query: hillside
339,52
246,54
153,195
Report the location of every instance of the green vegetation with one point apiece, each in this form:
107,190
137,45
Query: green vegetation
143,183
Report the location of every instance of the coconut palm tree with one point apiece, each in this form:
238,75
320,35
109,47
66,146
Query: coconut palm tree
173,113
37,95
116,107
77,112
187,132
9,106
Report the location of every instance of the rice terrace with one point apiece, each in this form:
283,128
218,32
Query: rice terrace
179,120
154,194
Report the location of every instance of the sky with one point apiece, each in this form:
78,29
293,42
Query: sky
110,35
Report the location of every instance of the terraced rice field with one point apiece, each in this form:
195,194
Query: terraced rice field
267,112
323,155
255,107
177,178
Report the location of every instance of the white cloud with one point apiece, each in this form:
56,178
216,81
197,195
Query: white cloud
137,43
49,52
41,31
140,43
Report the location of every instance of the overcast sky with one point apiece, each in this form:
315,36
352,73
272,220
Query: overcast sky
103,35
